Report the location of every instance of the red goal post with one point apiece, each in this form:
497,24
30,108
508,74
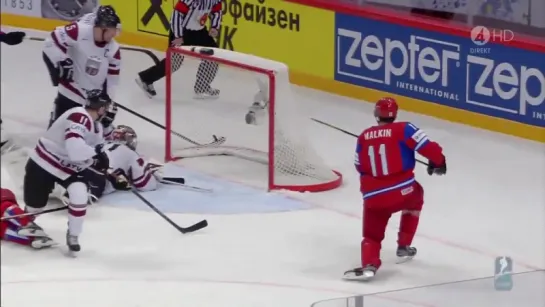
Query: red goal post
248,101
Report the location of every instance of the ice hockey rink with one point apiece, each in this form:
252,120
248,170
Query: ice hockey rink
278,249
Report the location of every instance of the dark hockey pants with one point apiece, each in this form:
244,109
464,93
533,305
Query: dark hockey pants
207,70
62,103
51,69
39,183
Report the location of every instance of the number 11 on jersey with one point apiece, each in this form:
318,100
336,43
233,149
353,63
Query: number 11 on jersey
381,153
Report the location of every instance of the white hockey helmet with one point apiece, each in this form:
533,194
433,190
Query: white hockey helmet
125,135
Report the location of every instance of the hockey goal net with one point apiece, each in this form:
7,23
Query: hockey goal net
225,103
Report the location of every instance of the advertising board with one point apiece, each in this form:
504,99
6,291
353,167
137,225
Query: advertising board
66,10
489,79
291,33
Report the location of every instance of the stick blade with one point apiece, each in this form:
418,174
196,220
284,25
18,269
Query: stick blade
200,225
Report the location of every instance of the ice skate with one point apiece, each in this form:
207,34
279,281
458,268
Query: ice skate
149,89
210,93
72,243
42,242
405,253
361,274
31,230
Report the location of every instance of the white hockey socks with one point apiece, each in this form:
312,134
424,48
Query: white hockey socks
77,208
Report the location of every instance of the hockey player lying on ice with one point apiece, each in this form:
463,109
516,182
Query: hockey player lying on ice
127,164
385,160
10,227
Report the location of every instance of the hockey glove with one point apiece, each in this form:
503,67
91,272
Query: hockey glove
437,169
13,38
66,70
154,168
101,161
157,171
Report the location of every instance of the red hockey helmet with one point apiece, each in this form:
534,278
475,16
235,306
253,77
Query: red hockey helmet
386,108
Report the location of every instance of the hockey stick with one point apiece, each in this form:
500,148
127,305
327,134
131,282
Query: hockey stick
200,225
35,39
217,141
33,214
172,181
351,134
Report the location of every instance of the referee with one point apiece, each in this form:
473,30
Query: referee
188,28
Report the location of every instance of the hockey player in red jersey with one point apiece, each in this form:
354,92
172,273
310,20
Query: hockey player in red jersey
385,159
10,227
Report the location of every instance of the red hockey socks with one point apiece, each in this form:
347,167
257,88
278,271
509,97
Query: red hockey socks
407,227
374,229
370,253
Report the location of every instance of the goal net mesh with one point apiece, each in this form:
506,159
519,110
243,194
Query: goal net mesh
246,102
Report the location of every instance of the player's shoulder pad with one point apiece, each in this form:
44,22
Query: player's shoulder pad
414,132
79,119
411,126
72,30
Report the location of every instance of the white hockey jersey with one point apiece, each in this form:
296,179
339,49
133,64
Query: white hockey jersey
68,146
96,65
129,163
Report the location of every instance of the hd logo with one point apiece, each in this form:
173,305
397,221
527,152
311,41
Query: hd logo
154,16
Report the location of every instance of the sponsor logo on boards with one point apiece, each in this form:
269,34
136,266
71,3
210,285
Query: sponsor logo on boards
507,82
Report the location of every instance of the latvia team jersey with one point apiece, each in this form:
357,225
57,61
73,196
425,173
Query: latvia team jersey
96,65
68,146
129,163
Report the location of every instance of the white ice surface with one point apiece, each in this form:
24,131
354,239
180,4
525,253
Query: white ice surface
491,203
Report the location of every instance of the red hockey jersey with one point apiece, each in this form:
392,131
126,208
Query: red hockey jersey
8,204
385,156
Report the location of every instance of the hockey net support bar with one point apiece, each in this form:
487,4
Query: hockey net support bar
291,162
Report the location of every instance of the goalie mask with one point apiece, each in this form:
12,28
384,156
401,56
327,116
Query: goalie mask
125,135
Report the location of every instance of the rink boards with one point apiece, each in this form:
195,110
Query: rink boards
526,290
496,86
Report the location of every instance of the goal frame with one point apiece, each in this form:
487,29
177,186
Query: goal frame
271,76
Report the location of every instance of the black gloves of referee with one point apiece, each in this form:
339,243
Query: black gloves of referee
12,38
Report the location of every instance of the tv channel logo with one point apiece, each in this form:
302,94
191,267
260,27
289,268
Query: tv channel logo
503,271
480,36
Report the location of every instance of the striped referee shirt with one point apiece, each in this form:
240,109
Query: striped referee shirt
193,14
